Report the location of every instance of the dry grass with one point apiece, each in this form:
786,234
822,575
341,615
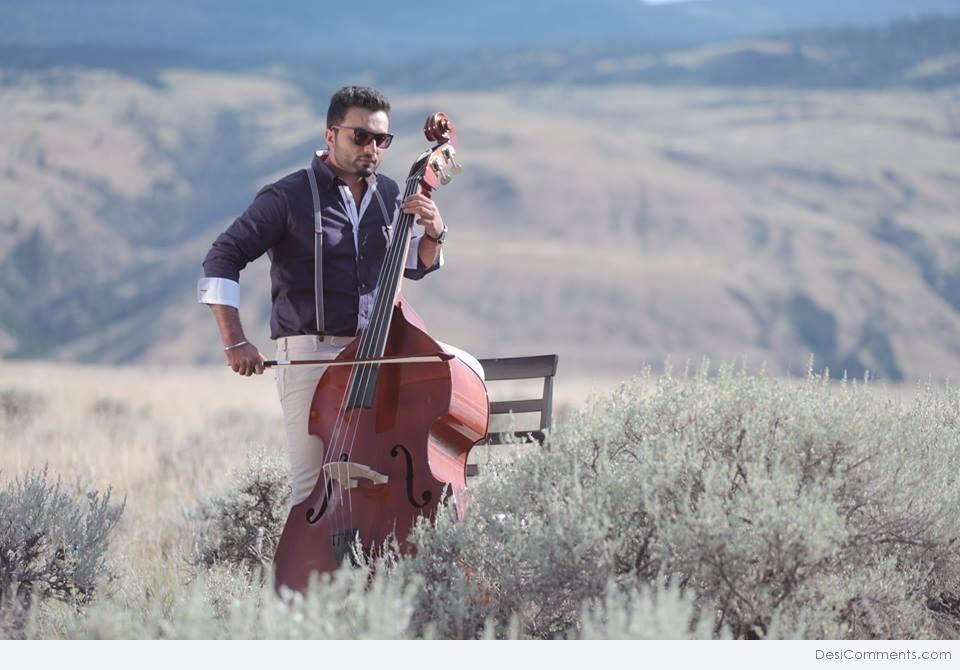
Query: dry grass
165,437
170,438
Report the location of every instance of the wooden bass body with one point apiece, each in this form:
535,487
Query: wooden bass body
390,463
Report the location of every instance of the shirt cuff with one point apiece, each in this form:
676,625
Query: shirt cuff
218,291
414,254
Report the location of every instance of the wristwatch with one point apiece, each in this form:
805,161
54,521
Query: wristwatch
440,238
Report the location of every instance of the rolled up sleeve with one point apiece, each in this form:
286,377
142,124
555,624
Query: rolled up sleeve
218,291
248,237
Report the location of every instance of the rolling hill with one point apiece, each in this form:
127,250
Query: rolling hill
305,32
615,225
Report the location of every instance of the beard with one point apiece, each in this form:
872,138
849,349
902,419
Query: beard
361,165
365,165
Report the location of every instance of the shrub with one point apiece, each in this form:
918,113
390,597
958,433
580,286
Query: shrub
351,604
683,506
109,408
242,526
797,509
18,405
664,613
51,544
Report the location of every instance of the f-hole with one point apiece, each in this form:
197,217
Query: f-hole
426,495
326,498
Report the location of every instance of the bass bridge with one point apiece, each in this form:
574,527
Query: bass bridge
350,475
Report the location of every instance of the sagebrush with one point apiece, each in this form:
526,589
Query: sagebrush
706,504
53,544
242,526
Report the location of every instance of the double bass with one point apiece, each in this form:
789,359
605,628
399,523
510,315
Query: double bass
396,413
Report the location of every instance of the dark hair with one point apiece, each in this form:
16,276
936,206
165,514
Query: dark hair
355,96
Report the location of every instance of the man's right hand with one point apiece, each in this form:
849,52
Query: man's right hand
245,360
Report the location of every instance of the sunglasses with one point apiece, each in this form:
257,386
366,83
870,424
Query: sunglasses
362,137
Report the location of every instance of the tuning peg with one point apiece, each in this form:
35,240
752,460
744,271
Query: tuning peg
441,171
449,152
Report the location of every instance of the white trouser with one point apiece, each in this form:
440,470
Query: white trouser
296,385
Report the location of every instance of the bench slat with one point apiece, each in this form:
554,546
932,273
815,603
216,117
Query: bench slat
519,367
517,406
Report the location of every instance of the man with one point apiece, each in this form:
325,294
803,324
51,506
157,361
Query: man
359,209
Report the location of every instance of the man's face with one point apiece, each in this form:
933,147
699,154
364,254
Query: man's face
346,153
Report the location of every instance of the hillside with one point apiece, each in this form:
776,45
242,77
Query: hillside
917,53
614,225
921,52
304,32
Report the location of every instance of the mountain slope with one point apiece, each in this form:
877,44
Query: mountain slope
614,225
247,31
921,53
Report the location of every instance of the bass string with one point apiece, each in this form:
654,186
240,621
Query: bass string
373,338
350,389
373,341
332,450
368,347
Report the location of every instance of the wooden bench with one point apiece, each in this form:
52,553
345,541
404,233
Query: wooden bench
513,369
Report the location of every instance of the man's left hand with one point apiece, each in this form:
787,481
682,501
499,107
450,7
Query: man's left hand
426,209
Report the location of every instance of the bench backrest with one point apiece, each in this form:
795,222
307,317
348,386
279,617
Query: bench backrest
517,368
523,367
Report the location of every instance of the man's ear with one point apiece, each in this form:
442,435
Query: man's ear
328,136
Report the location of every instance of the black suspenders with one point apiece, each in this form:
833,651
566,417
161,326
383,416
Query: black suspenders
317,250
383,210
